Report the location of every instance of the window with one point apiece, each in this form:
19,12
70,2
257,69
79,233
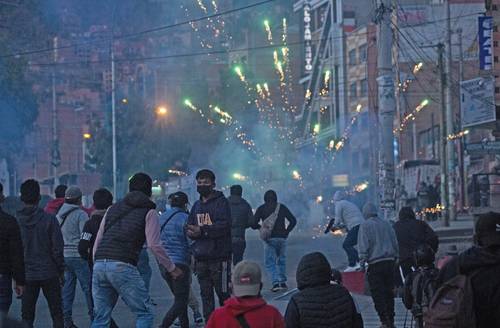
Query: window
352,57
353,90
495,44
364,88
495,28
363,53
494,7
495,59
497,89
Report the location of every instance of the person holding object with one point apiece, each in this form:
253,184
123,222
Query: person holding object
124,229
378,247
209,227
348,216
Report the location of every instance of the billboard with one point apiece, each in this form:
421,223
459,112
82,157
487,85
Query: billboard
477,101
485,38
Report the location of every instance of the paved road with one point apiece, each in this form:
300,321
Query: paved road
299,244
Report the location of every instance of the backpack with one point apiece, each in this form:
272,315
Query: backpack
268,224
421,288
453,304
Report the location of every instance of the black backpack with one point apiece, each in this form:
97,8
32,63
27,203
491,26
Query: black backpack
420,287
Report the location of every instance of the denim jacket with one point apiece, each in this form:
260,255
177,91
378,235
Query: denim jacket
173,236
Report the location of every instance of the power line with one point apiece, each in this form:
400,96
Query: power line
143,32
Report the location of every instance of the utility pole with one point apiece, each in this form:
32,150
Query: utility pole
56,157
113,118
443,141
450,121
387,107
462,168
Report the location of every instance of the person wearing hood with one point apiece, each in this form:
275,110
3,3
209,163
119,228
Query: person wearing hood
275,246
43,256
11,259
378,247
55,204
246,308
72,220
319,303
103,199
412,233
126,226
482,260
209,228
348,215
242,216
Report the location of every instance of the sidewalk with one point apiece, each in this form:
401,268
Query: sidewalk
370,317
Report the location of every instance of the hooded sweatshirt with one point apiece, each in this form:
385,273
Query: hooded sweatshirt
319,303
377,241
257,313
346,213
89,234
43,244
54,206
72,228
485,283
214,219
242,216
282,228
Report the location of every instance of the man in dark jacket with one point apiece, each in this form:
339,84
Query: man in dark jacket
275,247
242,216
209,226
125,228
11,259
55,204
43,256
103,199
483,260
412,233
319,302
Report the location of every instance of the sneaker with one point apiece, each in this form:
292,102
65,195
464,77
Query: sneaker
198,319
283,286
276,288
176,323
354,268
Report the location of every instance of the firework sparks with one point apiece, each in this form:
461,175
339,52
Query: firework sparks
411,116
296,175
319,199
239,177
178,173
268,30
458,135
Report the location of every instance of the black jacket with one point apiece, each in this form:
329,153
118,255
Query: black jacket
319,303
11,248
124,229
412,233
241,215
214,218
280,230
486,283
86,244
43,244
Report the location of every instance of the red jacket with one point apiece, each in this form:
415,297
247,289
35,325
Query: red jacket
256,312
53,206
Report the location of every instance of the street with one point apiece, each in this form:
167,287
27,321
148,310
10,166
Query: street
299,245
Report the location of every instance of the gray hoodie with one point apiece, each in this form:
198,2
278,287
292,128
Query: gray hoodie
72,228
377,241
346,213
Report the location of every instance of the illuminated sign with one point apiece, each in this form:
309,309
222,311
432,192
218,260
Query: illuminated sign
308,38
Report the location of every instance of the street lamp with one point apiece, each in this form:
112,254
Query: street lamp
87,136
161,111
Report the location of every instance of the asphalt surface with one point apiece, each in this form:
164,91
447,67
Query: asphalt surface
299,244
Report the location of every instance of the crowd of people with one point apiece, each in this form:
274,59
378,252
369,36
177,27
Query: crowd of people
105,251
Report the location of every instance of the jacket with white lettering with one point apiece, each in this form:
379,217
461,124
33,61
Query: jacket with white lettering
214,218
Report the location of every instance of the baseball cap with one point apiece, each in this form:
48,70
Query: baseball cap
73,193
488,229
246,279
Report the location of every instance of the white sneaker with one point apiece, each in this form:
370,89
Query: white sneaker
354,268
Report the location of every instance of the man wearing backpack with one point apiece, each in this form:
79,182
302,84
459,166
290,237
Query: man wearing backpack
474,274
72,220
241,218
420,285
275,236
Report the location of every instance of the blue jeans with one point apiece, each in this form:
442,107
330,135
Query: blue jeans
5,292
76,268
350,241
275,253
112,279
144,267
